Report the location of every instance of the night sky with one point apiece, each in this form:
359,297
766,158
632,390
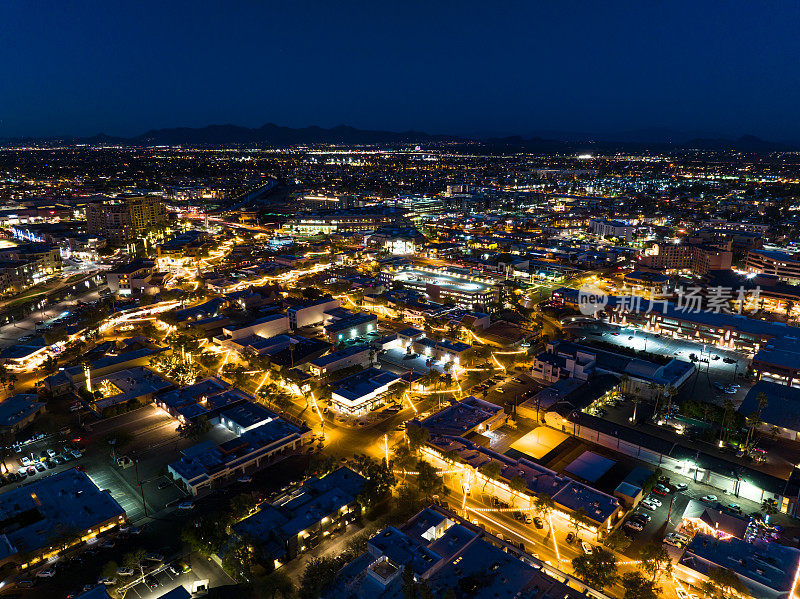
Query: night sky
718,68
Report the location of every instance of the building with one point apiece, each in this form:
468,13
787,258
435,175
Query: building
341,325
41,517
415,341
697,258
25,264
19,411
783,265
343,220
126,218
355,355
132,278
612,228
363,391
310,313
137,385
398,241
301,519
782,410
262,437
470,415
446,552
768,570
562,360
445,285
268,326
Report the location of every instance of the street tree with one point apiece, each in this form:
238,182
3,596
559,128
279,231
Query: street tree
578,519
417,436
723,583
518,485
617,541
655,560
275,584
428,480
638,587
491,471
597,569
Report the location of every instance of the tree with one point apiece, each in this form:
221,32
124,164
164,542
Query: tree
241,506
544,505
753,421
417,436
597,569
723,583
379,482
518,485
320,572
617,541
638,587
578,519
277,583
654,560
769,506
491,471
194,429
428,480
109,570
238,558
134,560
403,458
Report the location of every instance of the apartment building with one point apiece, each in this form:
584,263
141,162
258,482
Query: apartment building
699,258
122,219
783,265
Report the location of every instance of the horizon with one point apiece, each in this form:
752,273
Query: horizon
80,69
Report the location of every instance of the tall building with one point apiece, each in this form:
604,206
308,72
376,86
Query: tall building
123,219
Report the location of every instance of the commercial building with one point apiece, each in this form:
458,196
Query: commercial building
25,264
398,241
301,519
697,258
310,313
446,552
355,355
344,220
470,415
268,326
19,411
42,517
768,570
363,391
612,228
563,360
783,265
415,341
781,412
264,437
132,278
341,325
126,218
442,285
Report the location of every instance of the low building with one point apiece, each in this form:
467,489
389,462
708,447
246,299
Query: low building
301,519
19,411
137,384
355,355
341,325
132,278
310,313
768,570
460,288
783,265
266,436
446,552
562,360
363,391
470,415
444,351
782,410
41,517
267,326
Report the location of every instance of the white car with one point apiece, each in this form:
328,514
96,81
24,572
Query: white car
107,581
125,571
587,549
26,461
674,542
709,498
76,454
46,573
650,506
655,501
51,453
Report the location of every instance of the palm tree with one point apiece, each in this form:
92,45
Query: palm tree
754,421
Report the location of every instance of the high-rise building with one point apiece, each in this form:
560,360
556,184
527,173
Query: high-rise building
123,219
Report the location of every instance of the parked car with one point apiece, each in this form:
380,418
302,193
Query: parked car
570,537
245,479
642,516
659,491
151,582
154,557
634,525
709,498
537,522
587,548
655,501
76,454
674,542
107,581
51,453
681,487
650,506
125,571
186,505
46,573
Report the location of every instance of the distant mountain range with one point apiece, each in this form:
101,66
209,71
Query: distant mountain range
271,135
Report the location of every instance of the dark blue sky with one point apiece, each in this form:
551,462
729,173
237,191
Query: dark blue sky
82,67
